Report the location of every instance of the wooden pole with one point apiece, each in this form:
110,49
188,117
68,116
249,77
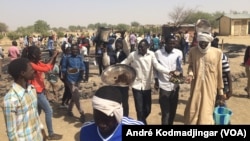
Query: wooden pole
222,45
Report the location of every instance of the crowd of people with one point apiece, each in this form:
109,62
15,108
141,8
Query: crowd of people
155,58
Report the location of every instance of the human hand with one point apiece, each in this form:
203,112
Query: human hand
223,97
222,100
228,94
220,103
55,54
156,85
104,49
188,79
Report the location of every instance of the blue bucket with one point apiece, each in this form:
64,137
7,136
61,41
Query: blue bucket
222,115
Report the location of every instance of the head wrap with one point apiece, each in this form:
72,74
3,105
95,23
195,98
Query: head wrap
206,37
108,107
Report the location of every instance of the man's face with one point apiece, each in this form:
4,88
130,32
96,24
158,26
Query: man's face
74,50
142,48
106,124
29,73
170,45
118,46
203,44
30,39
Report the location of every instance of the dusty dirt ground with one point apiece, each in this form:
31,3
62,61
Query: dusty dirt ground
69,127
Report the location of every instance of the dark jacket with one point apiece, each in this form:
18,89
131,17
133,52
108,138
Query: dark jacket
121,57
247,55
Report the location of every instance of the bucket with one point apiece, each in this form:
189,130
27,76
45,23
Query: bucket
203,25
222,115
103,34
53,78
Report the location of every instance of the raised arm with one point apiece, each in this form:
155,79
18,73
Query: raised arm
158,66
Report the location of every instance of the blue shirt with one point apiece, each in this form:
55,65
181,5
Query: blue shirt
73,62
90,131
156,42
50,44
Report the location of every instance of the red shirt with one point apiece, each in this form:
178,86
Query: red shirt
40,68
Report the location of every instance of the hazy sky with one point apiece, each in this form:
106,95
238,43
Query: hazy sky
62,13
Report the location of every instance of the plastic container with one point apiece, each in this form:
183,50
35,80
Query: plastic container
222,115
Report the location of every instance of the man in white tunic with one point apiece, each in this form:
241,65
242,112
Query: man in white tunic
205,76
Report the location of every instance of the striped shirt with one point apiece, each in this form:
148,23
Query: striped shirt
21,115
225,68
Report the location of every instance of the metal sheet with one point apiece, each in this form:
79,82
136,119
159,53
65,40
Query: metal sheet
118,75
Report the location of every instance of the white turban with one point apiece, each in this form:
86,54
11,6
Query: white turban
108,107
205,37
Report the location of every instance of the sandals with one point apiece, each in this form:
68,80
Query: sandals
248,95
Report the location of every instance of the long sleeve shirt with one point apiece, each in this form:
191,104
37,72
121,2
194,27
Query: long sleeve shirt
170,62
73,62
40,68
50,44
246,55
21,115
144,68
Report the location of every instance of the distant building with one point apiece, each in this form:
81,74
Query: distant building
234,24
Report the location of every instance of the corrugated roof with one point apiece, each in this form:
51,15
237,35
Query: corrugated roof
238,16
187,25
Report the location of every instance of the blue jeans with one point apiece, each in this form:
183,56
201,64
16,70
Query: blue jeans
86,71
143,100
185,51
51,52
75,98
43,104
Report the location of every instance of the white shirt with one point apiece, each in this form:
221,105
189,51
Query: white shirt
64,39
186,37
169,61
144,68
84,53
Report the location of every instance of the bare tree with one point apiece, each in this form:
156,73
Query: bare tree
3,27
180,15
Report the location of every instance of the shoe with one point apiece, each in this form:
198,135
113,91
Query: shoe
55,137
245,89
70,114
63,106
82,118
